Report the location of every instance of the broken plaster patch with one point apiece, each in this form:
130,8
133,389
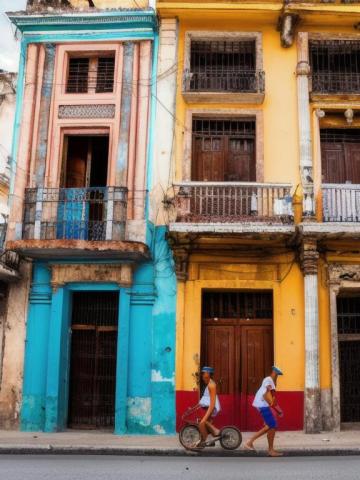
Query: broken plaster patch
159,429
157,377
139,410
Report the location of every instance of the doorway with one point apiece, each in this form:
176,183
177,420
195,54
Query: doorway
340,155
94,332
348,318
237,340
82,198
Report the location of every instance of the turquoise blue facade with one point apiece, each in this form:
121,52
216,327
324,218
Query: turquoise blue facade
145,365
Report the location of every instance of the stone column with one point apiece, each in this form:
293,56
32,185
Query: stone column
306,160
335,373
310,255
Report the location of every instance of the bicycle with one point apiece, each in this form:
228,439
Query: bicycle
230,437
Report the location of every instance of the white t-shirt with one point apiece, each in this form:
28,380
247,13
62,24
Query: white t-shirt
267,384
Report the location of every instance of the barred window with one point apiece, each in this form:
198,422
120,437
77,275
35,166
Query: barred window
91,74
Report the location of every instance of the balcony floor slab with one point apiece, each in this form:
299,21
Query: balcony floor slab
39,249
248,228
333,230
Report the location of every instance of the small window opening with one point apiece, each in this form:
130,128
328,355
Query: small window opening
92,74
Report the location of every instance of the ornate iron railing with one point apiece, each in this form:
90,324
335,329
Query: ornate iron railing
223,79
329,82
96,213
341,203
233,202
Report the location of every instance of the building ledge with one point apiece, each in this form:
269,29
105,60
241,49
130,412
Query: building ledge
334,97
237,228
80,249
224,97
333,230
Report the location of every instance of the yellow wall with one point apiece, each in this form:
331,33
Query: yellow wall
281,164
279,274
281,153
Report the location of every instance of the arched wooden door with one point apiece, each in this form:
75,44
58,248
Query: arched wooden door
237,340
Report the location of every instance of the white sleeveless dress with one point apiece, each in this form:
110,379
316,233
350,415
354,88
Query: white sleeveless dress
205,402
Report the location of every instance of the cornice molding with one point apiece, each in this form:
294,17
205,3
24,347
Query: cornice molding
26,23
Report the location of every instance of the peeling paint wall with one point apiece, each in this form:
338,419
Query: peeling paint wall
13,352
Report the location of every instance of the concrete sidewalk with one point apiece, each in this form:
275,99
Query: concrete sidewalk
92,443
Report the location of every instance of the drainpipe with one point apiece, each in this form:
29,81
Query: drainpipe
309,264
306,160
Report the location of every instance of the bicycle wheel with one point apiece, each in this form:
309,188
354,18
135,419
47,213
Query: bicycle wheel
231,438
189,435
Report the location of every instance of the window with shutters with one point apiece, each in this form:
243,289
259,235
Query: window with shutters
91,74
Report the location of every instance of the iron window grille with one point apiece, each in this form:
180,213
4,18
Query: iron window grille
348,315
335,66
340,135
237,305
243,128
96,74
223,66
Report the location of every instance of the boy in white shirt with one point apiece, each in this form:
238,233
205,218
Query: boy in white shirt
264,402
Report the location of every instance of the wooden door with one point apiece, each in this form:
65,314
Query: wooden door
208,158
333,162
241,351
93,360
240,162
352,162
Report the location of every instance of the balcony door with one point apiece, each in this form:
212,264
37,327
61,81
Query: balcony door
223,150
237,340
340,155
84,177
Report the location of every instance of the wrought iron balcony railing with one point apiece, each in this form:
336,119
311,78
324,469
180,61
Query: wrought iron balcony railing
341,203
233,202
94,214
335,83
224,80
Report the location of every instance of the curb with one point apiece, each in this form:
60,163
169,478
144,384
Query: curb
161,452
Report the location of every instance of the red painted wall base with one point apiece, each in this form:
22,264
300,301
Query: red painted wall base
238,410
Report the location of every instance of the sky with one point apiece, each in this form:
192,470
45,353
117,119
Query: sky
9,47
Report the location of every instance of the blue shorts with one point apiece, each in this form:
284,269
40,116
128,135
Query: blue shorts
268,417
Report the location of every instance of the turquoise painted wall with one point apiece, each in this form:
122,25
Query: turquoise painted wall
145,393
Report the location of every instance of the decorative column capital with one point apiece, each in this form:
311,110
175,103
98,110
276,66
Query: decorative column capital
303,68
309,257
181,251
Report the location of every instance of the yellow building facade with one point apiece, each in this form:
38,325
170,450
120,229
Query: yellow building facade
262,160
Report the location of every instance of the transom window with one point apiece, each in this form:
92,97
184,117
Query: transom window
94,74
335,66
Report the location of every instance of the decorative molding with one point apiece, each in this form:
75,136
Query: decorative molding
62,274
340,272
309,257
87,111
86,18
181,253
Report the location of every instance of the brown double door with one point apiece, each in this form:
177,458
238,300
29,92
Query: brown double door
340,156
241,351
94,334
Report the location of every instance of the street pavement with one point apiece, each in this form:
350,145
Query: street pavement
62,467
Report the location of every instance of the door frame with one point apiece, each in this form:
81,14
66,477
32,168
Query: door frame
59,355
337,284
186,166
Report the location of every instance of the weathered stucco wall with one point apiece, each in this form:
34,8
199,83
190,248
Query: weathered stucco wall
13,350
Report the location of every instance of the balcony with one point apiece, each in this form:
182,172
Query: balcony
341,203
83,222
212,85
9,261
233,207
